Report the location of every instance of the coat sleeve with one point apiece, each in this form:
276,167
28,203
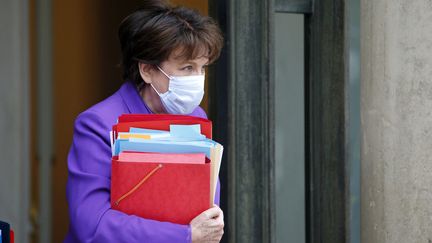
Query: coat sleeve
88,194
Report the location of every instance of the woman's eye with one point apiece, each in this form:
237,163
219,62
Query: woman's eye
191,69
203,69
187,68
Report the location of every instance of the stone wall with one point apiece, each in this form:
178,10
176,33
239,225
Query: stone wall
396,121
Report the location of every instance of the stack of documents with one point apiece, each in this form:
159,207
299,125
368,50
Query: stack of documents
164,167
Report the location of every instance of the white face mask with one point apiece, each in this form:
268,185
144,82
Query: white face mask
184,93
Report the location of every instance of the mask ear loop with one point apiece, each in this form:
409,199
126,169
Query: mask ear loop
142,84
155,89
164,73
160,69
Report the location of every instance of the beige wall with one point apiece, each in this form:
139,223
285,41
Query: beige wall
396,121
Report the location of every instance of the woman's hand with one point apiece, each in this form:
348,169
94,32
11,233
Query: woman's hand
208,226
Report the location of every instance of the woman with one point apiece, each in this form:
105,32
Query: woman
164,54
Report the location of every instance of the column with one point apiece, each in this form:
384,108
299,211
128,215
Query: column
396,121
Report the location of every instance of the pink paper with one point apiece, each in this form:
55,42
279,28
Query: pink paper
145,157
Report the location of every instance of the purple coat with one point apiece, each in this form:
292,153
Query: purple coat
89,179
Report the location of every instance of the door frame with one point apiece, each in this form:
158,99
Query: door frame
242,109
44,108
15,123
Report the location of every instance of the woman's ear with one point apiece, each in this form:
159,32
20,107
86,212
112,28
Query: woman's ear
146,71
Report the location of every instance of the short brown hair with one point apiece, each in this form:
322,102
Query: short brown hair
153,32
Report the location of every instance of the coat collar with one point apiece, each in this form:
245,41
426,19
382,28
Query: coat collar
132,99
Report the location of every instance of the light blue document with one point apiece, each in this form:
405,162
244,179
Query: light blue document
158,146
176,133
187,131
146,131
181,139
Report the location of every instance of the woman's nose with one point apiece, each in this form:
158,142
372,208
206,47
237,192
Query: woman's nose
199,72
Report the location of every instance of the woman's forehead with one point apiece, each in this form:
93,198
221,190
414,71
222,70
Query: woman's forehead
183,55
179,58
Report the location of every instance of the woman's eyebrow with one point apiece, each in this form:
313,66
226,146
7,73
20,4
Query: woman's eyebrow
187,62
191,62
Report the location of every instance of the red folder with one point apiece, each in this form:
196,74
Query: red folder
160,122
172,192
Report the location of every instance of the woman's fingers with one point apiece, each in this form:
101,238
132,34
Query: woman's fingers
212,212
208,226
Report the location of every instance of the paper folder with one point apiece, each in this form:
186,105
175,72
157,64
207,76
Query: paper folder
160,122
166,180
174,193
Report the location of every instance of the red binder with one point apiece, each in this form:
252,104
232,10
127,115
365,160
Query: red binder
172,192
175,193
160,122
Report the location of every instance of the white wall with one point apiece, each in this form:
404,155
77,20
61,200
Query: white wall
14,116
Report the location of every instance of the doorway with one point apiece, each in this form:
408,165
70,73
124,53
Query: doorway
85,70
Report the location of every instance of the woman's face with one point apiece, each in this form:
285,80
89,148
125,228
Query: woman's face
176,66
